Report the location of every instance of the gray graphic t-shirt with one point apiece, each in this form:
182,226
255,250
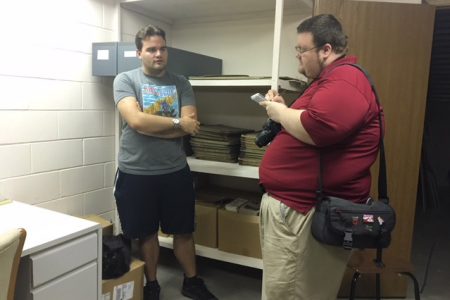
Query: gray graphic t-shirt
164,96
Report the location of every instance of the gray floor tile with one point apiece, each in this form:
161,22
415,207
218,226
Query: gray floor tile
431,247
226,281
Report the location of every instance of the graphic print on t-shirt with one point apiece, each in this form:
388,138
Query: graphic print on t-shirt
160,100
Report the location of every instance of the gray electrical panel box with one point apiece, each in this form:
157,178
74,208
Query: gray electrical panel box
127,58
110,59
104,59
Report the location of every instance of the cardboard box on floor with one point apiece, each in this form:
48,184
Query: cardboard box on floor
205,224
239,233
107,226
129,286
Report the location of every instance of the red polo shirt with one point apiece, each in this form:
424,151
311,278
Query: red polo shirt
341,116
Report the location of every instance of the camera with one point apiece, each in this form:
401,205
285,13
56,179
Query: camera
269,131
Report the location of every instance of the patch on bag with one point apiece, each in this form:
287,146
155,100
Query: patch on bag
368,218
355,220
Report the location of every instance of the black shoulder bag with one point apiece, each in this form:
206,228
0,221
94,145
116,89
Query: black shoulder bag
116,257
340,222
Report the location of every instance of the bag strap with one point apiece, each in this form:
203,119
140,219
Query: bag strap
382,177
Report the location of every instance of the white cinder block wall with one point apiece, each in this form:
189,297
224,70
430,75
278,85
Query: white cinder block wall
131,22
56,120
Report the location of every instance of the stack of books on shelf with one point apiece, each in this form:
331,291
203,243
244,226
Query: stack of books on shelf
250,154
218,143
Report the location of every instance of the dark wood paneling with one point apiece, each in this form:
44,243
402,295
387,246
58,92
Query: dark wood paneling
439,83
393,42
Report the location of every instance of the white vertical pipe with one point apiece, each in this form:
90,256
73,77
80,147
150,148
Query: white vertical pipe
117,123
279,5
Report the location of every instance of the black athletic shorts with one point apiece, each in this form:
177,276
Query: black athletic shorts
146,202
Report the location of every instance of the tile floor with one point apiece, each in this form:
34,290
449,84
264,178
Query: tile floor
232,282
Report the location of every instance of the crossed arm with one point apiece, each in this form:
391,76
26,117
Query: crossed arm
158,126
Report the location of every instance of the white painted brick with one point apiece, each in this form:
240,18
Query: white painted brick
80,124
69,205
75,37
57,52
98,150
132,22
51,79
100,35
47,63
109,123
129,38
97,96
40,94
80,180
69,66
110,172
32,189
11,98
99,201
15,160
89,12
111,15
54,94
56,155
27,126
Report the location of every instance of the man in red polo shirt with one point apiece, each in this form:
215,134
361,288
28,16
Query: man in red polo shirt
337,116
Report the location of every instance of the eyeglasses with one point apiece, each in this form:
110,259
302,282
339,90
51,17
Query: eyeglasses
300,50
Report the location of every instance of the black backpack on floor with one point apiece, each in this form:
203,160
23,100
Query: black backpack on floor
116,256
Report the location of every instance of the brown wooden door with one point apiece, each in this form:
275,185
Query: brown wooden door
393,42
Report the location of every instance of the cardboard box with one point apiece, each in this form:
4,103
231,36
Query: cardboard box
239,233
107,226
128,286
206,224
205,233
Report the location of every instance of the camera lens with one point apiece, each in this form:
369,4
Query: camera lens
270,130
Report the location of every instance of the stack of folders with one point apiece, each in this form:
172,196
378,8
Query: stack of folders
250,154
243,206
217,142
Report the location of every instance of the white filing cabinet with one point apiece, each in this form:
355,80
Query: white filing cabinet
61,258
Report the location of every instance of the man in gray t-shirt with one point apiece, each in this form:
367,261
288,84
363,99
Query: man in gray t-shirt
154,186
154,151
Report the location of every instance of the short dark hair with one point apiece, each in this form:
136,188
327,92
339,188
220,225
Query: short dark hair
325,29
147,31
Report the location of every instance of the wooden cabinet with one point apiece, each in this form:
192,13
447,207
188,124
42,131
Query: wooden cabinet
393,42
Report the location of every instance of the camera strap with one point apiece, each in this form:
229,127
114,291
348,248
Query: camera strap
382,177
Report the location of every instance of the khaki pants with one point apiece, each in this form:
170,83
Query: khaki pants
296,266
